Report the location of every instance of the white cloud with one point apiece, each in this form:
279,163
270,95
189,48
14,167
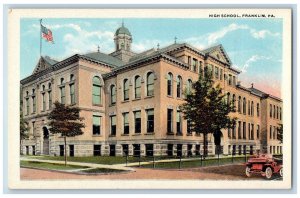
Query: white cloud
261,34
250,61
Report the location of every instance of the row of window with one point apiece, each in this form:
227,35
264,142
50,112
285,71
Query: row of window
273,131
275,112
242,105
241,132
179,85
275,149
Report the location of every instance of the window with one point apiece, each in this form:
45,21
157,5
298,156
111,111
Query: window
233,80
270,132
49,86
230,79
257,131
233,101
62,95
216,72
274,111
194,65
280,112
50,99
249,111
257,109
249,131
179,86
96,125
189,60
277,113
178,123
239,130
270,111
27,106
240,104
170,82
137,87
244,106
126,123
62,81
229,132
72,93
221,74
252,131
234,131
44,102
252,108
274,132
43,88
244,130
33,104
150,120
72,78
189,86
97,150
113,128
137,121
150,84
96,91
228,98
112,94
200,70
170,121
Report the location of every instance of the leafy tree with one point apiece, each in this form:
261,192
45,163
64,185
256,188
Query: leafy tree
24,128
66,121
206,109
280,133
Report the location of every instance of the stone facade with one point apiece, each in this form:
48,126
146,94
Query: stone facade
145,88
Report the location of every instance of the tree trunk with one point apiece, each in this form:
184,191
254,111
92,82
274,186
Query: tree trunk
65,138
205,146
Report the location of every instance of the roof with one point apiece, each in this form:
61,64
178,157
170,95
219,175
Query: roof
122,30
98,56
49,60
263,94
217,47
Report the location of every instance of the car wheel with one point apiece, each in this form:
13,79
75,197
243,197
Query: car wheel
281,172
269,172
247,171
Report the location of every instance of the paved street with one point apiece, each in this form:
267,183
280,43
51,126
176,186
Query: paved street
228,172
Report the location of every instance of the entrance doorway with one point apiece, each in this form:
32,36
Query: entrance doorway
71,148
61,150
112,150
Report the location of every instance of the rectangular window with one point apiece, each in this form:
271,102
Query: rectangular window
216,72
27,106
96,94
170,121
44,102
72,93
113,128
97,150
239,130
150,120
230,79
126,123
62,95
270,132
258,131
252,131
233,80
33,104
270,111
257,110
137,121
96,125
249,131
280,112
229,132
50,99
274,132
249,111
234,131
178,122
189,60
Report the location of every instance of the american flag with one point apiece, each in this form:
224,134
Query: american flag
47,34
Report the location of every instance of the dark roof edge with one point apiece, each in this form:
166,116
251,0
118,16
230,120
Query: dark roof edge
264,95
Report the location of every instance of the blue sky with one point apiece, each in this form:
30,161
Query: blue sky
254,45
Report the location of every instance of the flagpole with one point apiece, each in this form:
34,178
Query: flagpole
40,37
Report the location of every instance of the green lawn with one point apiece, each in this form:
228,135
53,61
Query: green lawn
195,163
49,166
102,170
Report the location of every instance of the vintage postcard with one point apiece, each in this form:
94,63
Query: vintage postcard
149,98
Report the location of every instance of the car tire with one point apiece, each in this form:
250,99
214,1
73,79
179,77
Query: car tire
268,172
281,172
247,171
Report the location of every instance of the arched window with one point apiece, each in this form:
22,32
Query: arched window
170,83
62,81
49,86
150,84
252,108
228,98
179,86
270,111
112,94
96,91
72,77
240,104
244,105
257,110
137,87
189,86
43,87
233,100
126,89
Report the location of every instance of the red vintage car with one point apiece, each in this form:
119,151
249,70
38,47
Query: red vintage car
264,164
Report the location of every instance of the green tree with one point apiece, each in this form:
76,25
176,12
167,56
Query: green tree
207,109
24,128
280,133
65,120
